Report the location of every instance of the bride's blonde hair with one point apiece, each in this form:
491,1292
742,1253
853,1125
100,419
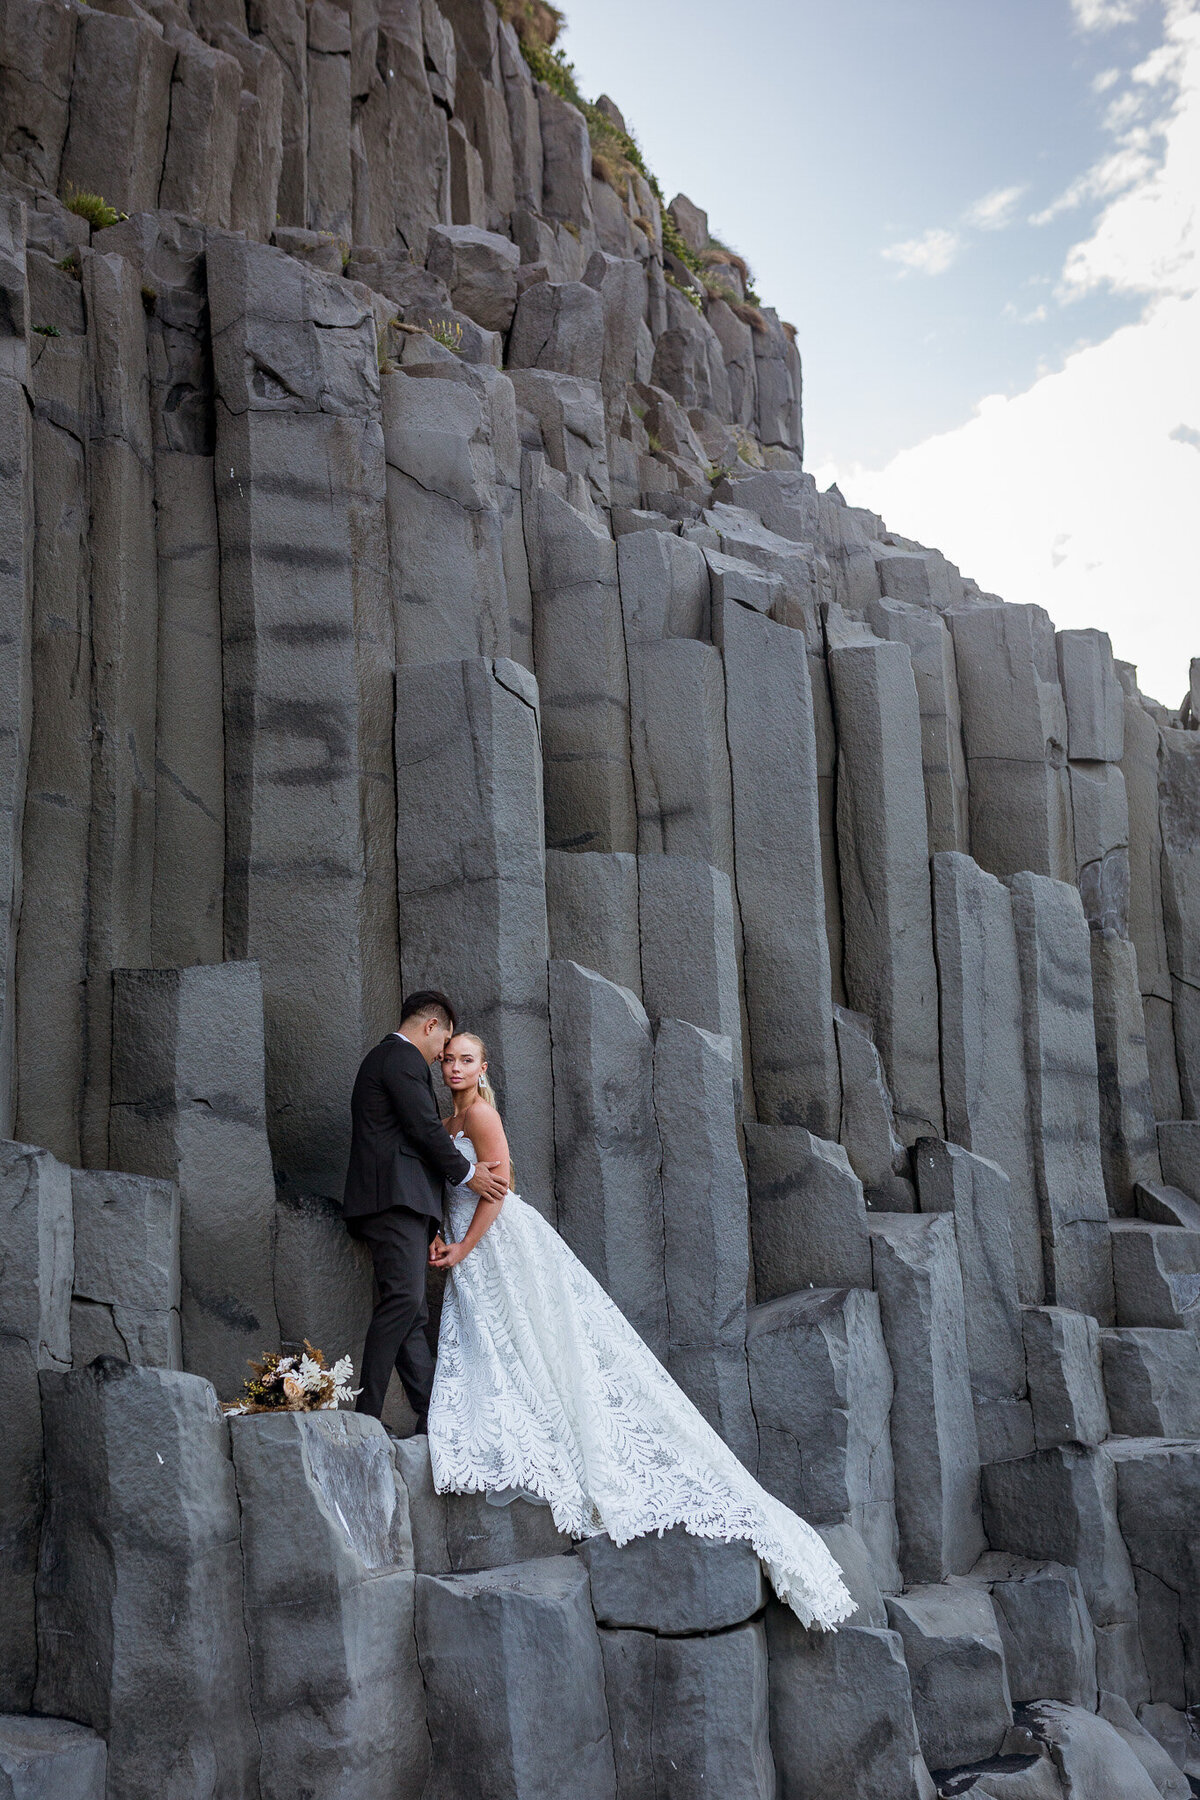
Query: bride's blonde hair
487,1092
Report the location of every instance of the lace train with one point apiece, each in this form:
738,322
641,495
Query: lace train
543,1385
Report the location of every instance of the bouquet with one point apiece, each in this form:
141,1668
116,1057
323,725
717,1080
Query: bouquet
299,1383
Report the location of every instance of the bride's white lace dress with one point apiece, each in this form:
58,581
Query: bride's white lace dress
542,1385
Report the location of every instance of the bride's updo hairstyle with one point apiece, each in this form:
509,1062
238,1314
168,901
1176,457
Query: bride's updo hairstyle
487,1092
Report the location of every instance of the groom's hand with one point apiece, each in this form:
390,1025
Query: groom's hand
443,1255
486,1183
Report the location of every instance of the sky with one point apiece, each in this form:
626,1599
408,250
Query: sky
984,221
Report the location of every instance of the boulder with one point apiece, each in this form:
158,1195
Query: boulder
935,1445
515,1684
559,325
1061,1505
35,1334
821,1387
1167,1778
188,1107
1156,1274
673,1584
145,1642
1092,1758
333,1593
689,1714
842,1714
1152,1381
1060,1053
1062,1357
125,1295
50,1759
1045,1627
608,1158
956,1664
461,1533
807,1215
480,270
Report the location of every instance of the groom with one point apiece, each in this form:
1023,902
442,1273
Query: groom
400,1161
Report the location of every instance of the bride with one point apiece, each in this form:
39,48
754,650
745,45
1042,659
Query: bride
543,1388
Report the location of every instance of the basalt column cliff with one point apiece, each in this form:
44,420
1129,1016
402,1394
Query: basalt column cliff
408,574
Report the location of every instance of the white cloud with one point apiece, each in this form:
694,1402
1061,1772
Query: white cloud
930,254
1102,15
1082,493
995,210
1106,79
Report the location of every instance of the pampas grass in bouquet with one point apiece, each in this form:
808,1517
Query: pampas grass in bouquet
302,1382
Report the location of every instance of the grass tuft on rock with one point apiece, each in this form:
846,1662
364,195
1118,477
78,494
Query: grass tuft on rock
92,207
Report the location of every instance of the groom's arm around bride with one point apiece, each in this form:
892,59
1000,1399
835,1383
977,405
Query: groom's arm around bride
401,1160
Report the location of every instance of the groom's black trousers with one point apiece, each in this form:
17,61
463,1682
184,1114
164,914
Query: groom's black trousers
396,1337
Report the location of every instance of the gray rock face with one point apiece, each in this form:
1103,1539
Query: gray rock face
577,622
689,961
951,1180
842,1714
1157,1487
868,1127
1092,694
822,1387
1160,1767
778,868
480,270
1091,1756
1156,1274
125,1294
935,1446
1045,1627
1060,1049
982,1040
308,682
485,935
889,966
808,1219
515,1684
461,1533
559,325
608,1158
944,764
689,1714
1062,1355
1152,1382
35,1334
147,1643
1061,1504
1179,810
335,1594
680,755
1015,732
1179,1152
592,911
705,1228
188,1107
1128,1145
673,1584
50,1759
956,1663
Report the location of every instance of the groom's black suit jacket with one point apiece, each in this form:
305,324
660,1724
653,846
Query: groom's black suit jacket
400,1154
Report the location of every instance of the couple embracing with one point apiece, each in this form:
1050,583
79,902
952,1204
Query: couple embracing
541,1387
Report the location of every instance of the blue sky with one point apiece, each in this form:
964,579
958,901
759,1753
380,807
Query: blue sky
882,164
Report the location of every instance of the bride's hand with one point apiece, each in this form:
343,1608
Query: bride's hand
443,1255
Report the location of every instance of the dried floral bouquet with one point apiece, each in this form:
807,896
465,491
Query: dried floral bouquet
299,1383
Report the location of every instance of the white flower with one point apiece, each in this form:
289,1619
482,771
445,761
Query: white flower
311,1374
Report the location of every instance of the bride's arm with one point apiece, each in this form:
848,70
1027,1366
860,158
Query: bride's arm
486,1132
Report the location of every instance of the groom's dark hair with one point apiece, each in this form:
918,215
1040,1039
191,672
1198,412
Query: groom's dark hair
428,1003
